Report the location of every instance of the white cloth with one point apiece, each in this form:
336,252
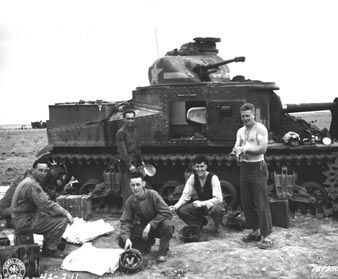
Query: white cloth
94,260
81,231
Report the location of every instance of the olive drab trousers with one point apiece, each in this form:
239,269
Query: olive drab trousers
254,196
51,227
195,216
125,190
163,232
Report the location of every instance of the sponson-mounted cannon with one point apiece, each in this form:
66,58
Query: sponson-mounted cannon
191,107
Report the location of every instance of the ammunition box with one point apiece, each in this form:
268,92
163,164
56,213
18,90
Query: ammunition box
77,205
280,213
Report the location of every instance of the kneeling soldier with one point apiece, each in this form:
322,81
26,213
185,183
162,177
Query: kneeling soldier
145,217
207,187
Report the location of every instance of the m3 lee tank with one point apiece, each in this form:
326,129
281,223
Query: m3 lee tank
191,107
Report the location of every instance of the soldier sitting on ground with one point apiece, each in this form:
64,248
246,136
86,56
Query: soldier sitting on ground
145,217
34,212
51,184
5,202
202,196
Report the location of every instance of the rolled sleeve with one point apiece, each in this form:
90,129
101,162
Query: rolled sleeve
187,192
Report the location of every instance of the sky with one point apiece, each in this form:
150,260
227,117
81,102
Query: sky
70,50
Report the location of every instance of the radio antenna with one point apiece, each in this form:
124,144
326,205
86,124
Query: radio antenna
158,55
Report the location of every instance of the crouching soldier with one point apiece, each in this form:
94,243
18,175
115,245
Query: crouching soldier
33,212
145,217
202,196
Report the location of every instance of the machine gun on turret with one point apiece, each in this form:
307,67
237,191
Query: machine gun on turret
204,71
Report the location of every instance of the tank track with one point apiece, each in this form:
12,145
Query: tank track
182,159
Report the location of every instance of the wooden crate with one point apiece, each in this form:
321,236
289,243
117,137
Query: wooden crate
12,258
77,205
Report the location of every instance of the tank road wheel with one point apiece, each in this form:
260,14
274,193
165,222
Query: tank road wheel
229,194
169,193
318,191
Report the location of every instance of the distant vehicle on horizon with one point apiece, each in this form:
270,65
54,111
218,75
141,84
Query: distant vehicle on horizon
39,124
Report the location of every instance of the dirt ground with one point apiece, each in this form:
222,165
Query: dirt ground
308,249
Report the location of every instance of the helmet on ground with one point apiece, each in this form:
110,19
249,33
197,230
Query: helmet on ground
131,261
291,138
236,221
190,233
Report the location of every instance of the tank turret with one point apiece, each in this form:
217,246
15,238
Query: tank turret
193,63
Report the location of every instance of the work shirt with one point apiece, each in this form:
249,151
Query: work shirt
128,145
28,199
189,192
151,208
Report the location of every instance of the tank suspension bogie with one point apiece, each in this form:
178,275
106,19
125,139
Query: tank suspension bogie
173,170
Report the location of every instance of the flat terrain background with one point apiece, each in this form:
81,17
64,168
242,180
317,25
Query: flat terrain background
308,249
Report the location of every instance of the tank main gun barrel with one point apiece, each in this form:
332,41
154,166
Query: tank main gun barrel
215,65
308,107
203,71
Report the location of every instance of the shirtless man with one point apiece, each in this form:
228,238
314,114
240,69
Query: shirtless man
250,146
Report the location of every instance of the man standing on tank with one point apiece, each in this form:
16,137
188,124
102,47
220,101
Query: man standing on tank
250,146
127,140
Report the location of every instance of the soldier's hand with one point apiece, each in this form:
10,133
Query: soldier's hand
146,231
128,244
197,204
240,150
132,168
173,208
70,218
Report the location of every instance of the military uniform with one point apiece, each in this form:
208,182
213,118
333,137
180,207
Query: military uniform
138,213
33,212
130,154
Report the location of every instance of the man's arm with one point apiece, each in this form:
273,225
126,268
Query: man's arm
41,200
122,149
186,195
162,210
126,221
138,149
237,149
238,142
